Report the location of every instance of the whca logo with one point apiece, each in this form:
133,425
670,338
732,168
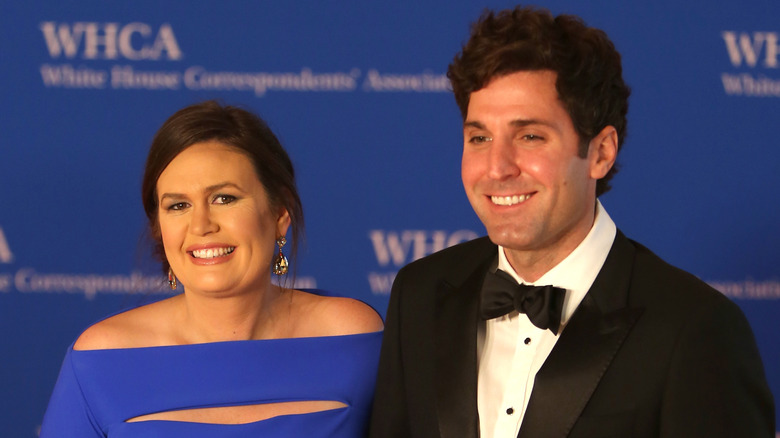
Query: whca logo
750,49
6,256
133,41
401,247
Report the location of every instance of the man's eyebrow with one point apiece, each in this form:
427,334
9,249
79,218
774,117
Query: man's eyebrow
519,123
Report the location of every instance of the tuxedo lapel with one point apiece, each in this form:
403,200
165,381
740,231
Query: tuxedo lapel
585,349
457,307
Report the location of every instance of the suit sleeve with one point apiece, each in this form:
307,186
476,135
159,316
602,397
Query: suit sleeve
716,385
68,413
389,417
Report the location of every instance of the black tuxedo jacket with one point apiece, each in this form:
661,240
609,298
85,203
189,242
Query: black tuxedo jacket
650,352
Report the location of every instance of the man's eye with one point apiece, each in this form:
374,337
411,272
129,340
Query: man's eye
479,139
532,137
224,199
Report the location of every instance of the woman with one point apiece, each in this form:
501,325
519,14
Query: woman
234,354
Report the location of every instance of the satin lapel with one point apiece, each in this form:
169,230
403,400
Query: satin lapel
585,349
456,355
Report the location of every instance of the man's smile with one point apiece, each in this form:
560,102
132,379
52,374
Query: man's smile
509,200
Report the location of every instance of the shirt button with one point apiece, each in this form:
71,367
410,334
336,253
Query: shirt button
510,411
527,341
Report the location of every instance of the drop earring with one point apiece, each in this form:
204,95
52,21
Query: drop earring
172,279
280,262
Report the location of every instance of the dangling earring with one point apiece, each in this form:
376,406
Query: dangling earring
171,279
280,262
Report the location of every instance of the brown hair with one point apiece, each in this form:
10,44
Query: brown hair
234,127
589,72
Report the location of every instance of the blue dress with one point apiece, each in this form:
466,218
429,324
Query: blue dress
98,390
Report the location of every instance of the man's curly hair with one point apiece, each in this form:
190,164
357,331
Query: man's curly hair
589,72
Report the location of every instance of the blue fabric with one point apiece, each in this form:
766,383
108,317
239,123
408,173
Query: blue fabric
98,390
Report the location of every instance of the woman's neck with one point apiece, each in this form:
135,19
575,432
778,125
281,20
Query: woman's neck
252,315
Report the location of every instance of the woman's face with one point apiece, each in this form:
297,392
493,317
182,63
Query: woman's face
217,225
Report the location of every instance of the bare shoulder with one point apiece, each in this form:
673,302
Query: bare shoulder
131,329
336,316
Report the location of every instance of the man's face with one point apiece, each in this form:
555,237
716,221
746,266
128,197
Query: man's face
521,170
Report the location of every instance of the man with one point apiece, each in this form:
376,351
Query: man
614,342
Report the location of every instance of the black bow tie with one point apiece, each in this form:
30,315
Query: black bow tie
542,304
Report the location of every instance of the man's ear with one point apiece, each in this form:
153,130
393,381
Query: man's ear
602,152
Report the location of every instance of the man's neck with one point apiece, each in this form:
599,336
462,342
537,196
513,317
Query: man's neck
532,264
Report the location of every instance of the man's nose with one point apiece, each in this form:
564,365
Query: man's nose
503,160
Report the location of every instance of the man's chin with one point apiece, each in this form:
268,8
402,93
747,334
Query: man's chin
508,240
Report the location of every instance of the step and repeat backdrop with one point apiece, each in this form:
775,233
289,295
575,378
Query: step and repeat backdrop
356,92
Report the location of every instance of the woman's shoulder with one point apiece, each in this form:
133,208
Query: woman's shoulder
129,329
336,316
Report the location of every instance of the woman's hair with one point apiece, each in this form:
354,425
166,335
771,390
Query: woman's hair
235,127
588,67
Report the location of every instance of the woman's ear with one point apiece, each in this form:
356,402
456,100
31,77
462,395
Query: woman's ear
282,222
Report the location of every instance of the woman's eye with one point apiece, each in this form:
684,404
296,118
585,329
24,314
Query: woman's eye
224,199
177,206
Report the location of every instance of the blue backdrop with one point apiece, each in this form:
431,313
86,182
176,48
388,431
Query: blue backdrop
357,94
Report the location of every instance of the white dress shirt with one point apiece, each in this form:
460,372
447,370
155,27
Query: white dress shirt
511,350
